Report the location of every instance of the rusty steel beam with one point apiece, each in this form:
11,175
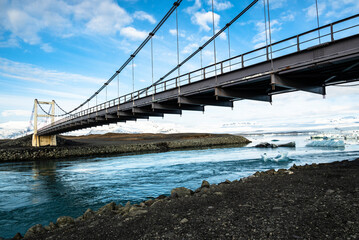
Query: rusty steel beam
298,85
242,94
177,106
204,101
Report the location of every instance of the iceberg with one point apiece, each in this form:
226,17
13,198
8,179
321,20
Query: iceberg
281,157
326,143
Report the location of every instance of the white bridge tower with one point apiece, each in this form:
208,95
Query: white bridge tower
38,141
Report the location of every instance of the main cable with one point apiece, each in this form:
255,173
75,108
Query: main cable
133,55
203,46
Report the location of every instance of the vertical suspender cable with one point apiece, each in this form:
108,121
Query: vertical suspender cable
270,36
133,82
229,51
178,60
118,86
201,59
202,70
153,92
214,44
316,5
265,26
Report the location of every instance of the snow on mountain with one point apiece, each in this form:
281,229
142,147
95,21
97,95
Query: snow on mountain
130,127
17,129
13,129
310,125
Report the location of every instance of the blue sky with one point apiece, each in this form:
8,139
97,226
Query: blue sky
65,50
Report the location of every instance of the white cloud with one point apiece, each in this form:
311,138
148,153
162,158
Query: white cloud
141,15
339,9
288,16
107,18
311,12
22,113
47,48
29,20
190,48
220,5
29,72
197,5
18,23
59,94
223,35
11,42
133,33
204,20
173,32
260,38
274,4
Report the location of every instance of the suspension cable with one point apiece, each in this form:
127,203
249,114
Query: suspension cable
118,84
203,46
178,58
28,129
214,44
150,35
133,80
316,6
270,36
265,26
46,112
153,93
175,5
229,51
201,59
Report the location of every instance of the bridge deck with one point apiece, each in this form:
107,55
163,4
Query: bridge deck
310,70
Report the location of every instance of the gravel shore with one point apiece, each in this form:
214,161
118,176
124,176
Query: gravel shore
112,143
319,201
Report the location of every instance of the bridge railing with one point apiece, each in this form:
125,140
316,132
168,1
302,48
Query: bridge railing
324,34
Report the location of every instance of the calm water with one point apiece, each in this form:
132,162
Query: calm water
39,192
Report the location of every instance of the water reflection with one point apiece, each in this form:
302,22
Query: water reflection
40,192
44,168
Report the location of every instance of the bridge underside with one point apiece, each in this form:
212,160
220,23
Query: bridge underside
310,70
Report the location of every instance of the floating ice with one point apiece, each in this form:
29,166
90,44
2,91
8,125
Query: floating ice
281,157
326,143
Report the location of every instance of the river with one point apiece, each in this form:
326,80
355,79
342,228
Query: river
40,192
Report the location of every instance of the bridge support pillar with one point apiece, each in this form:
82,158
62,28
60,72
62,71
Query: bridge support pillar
39,141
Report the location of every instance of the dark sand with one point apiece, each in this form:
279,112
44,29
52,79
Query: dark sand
113,144
309,202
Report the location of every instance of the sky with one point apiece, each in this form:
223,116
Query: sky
64,50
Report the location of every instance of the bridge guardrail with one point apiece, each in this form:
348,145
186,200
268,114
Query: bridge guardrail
324,34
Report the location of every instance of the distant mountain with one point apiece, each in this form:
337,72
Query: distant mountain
14,129
129,127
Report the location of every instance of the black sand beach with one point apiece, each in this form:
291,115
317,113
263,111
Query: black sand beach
113,143
308,202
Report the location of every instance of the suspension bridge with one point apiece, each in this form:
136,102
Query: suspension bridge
310,61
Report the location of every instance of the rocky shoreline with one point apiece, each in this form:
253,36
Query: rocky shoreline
70,147
318,201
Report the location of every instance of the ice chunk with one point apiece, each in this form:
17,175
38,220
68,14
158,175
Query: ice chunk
326,143
280,157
